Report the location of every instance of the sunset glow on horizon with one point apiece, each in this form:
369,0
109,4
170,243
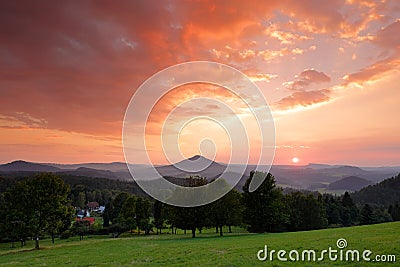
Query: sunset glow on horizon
328,69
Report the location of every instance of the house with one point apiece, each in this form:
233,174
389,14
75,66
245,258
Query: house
100,210
83,213
93,205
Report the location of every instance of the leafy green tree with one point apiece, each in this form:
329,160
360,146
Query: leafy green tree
41,201
80,228
116,206
14,220
226,211
264,207
60,220
127,216
190,218
160,215
305,212
48,203
143,213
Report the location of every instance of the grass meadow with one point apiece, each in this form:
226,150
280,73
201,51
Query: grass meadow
208,249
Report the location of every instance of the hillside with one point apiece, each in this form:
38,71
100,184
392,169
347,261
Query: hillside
386,192
21,165
236,249
351,183
8,180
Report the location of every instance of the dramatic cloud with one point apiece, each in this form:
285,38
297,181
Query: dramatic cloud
70,68
373,72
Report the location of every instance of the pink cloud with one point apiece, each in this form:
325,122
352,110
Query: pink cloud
305,99
307,78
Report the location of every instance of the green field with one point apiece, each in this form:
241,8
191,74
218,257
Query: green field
208,249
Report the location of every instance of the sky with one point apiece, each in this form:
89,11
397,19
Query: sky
328,69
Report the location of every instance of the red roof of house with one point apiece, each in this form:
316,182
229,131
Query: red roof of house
93,205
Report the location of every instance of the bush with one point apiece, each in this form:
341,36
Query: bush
65,235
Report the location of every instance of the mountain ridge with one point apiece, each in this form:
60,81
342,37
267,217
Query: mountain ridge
300,177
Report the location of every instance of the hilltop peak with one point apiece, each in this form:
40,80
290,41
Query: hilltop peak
20,165
196,157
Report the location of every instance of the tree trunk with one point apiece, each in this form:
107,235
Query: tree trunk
52,238
230,229
193,232
216,229
172,229
12,244
184,231
37,242
220,231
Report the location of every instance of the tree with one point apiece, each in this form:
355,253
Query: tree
264,207
81,200
116,206
143,213
189,218
42,202
106,215
127,216
305,212
227,211
333,209
160,215
394,212
60,220
349,214
366,215
15,222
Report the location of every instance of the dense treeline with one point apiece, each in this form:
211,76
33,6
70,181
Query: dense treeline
46,205
266,209
82,189
384,193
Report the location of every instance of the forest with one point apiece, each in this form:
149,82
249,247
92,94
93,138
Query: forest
45,205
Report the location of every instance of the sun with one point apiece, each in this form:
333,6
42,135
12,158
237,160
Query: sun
295,160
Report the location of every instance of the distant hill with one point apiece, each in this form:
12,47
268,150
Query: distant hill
20,165
351,183
113,166
386,192
312,176
196,165
88,172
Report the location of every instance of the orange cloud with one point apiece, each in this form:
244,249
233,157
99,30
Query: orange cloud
74,69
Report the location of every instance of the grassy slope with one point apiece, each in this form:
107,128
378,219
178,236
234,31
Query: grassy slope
207,249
